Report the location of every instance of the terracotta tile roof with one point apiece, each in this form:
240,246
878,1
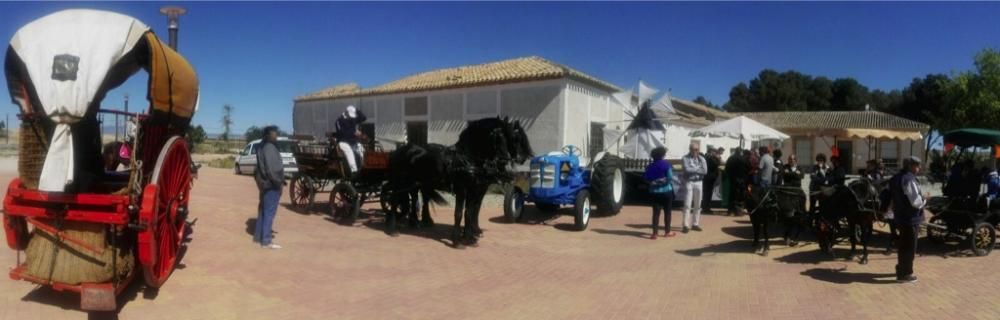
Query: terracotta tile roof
506,71
337,90
835,119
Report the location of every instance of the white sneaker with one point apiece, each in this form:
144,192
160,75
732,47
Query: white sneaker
271,246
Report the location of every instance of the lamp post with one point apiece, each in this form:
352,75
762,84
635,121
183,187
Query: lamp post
173,16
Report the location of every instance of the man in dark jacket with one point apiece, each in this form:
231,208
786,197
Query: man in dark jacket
737,169
908,209
269,176
713,160
818,180
347,137
838,174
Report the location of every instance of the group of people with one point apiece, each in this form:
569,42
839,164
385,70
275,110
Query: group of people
901,196
699,175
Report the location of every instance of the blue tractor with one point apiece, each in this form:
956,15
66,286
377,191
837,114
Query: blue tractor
558,179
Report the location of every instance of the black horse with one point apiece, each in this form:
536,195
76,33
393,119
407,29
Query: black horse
774,204
852,209
483,155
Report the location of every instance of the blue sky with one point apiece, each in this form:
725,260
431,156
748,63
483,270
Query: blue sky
259,56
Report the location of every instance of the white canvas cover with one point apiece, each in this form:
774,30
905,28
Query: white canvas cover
641,141
740,128
81,46
646,92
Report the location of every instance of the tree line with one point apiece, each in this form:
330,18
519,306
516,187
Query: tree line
964,99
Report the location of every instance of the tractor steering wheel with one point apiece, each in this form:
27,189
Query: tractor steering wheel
571,150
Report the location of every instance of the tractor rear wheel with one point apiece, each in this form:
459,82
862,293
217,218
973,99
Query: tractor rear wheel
581,213
608,184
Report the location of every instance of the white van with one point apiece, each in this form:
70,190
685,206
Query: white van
246,161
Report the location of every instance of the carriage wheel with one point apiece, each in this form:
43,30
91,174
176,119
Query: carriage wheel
164,203
301,192
983,238
345,202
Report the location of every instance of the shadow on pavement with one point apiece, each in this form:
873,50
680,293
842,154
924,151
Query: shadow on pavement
626,233
735,246
307,211
742,231
438,232
840,276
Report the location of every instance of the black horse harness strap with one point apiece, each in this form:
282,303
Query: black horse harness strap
860,202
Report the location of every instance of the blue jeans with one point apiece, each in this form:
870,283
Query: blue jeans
266,211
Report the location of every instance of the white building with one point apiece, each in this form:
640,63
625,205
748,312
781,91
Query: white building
557,104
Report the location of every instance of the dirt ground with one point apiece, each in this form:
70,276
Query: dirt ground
538,269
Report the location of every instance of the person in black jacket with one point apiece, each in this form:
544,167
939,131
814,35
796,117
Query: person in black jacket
347,137
818,180
269,176
790,175
838,175
737,169
714,161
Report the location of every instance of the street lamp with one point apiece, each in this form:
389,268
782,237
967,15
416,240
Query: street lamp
173,16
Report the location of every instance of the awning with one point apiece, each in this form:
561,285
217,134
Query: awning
852,133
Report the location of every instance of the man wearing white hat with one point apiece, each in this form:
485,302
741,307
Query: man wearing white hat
347,136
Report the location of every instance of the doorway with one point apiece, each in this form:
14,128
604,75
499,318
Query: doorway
846,149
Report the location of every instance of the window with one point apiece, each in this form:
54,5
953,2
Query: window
253,148
415,106
416,132
246,150
596,138
481,103
890,152
803,151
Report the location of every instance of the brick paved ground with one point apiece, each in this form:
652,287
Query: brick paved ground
520,271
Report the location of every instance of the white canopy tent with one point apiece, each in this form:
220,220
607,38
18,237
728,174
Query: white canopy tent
742,128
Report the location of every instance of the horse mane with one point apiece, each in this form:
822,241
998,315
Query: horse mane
471,139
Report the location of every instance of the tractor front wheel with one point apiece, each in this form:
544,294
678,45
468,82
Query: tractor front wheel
581,217
513,204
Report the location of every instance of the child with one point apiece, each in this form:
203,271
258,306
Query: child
660,175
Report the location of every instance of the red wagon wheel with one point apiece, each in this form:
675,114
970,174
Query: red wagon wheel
301,192
164,200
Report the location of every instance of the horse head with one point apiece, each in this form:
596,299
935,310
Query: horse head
866,193
521,144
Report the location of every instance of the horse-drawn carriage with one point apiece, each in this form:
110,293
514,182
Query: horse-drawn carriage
970,217
323,168
85,229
